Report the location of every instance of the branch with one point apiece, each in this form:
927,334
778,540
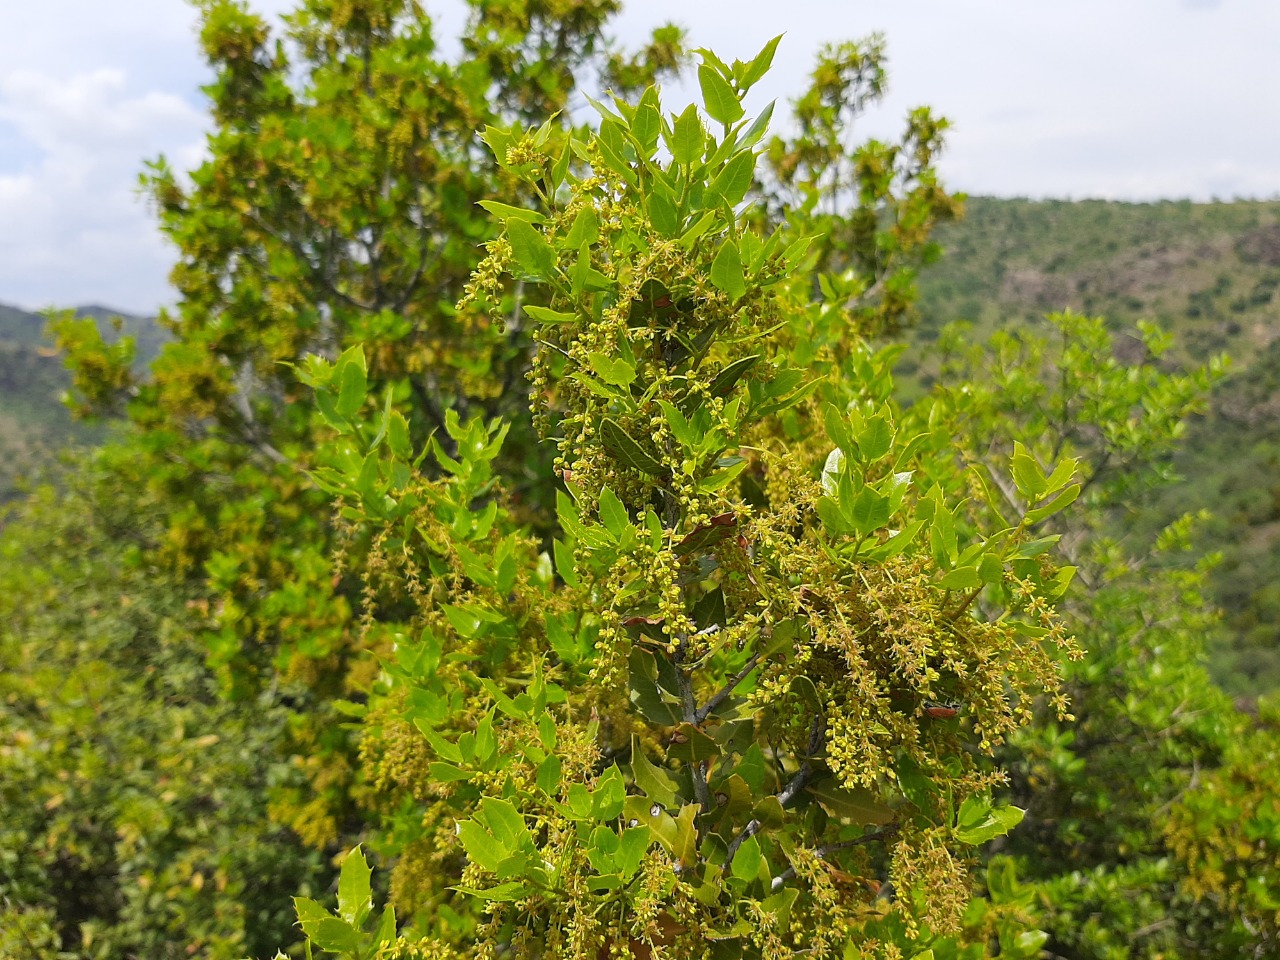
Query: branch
827,849
748,831
689,705
867,295
719,698
786,794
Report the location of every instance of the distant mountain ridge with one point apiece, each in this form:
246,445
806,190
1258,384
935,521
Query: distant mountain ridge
34,424
1210,273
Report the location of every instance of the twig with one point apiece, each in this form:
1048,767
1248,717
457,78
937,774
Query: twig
705,710
748,831
830,848
690,707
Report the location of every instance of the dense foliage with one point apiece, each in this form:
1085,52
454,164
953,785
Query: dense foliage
135,797
1209,272
534,504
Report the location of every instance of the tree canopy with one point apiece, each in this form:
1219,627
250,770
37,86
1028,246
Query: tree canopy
524,505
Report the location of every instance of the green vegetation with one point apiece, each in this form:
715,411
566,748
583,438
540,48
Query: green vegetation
1205,272
529,510
34,424
1208,274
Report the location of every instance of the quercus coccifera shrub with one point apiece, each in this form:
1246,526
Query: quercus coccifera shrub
743,702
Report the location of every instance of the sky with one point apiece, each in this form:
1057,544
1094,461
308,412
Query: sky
1119,99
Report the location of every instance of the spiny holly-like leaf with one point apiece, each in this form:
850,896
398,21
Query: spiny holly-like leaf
352,382
752,72
354,892
656,783
332,934
688,137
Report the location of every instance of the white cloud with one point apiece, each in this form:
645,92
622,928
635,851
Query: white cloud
1132,100
75,228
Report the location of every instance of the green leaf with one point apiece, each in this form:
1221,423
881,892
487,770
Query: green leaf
832,471
398,436
691,745
627,451
354,892
1060,501
610,794
565,565
585,229
759,65
480,845
961,578
309,910
447,772
746,862
870,511
632,847
506,823
718,96
545,315
759,126
726,271
662,214
875,439
332,934
978,821
655,782
614,371
548,775
990,569
833,518
685,435
688,138
386,932
502,893
532,252
856,804
916,786
695,232
727,379
1062,474
732,183
1027,476
504,211
585,276
720,528
646,694
613,514
646,125
352,382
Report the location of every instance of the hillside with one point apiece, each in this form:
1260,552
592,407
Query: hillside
1208,273
34,424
